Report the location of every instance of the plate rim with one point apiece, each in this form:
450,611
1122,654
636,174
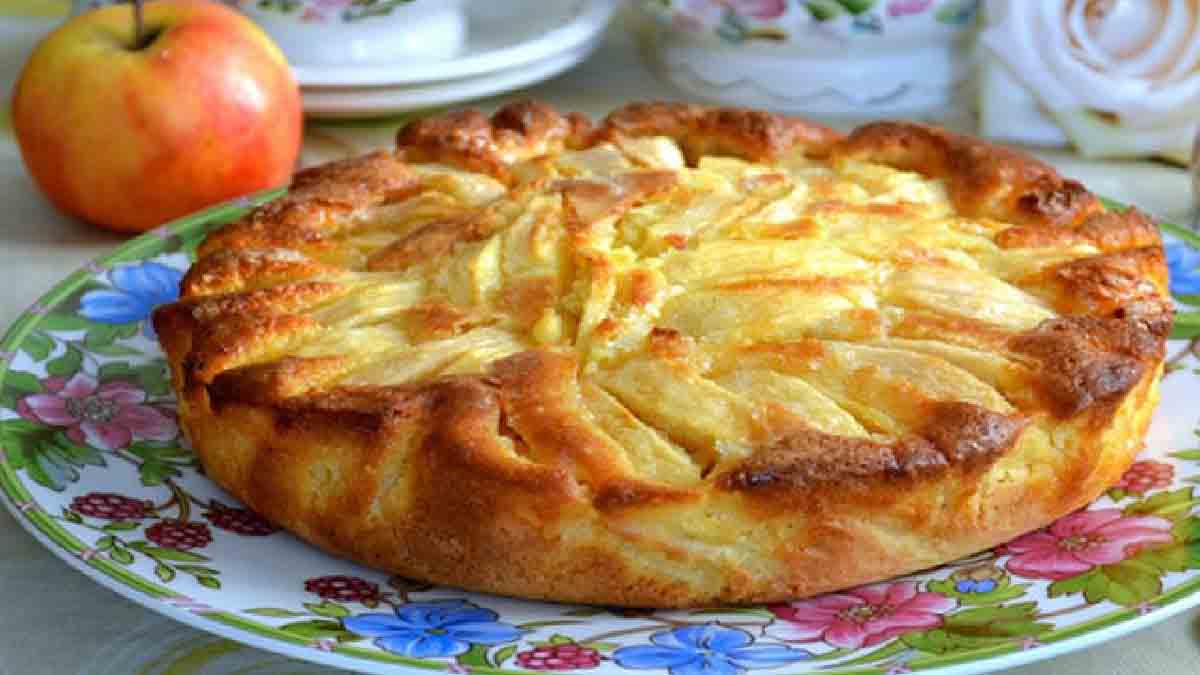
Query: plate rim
372,101
587,19
231,625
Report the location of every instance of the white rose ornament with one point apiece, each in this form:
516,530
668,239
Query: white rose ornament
1114,78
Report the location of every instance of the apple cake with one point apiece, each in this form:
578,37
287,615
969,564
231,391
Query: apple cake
680,356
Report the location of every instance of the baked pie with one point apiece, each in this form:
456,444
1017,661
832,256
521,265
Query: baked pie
680,357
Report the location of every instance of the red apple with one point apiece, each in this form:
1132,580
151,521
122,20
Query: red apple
129,135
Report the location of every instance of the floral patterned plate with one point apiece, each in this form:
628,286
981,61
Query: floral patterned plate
92,464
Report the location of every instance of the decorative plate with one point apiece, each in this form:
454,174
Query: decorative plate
94,467
355,102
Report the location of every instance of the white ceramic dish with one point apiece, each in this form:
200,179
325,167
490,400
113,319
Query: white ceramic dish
95,469
362,33
500,36
376,101
844,58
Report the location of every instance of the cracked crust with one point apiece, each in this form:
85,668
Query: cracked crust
575,388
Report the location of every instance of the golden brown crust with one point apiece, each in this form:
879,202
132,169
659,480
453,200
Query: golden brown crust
1089,361
957,434
320,201
750,134
1107,231
473,142
984,180
531,395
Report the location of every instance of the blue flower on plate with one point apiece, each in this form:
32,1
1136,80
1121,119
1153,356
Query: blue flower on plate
975,585
1184,262
430,629
136,290
709,649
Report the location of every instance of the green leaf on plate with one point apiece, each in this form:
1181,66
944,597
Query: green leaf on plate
117,370
1187,326
161,553
154,378
197,569
1130,583
160,462
164,573
1190,455
602,647
37,346
22,382
824,10
979,627
475,657
886,651
66,322
121,555
1172,505
209,582
273,612
21,427
174,554
327,608
504,655
80,455
857,7
71,516
1076,584
106,542
318,628
1004,591
1187,530
1126,583
153,472
1177,557
67,364
115,350
120,526
102,335
47,466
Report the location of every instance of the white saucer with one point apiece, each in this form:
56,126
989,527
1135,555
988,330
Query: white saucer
500,36
376,101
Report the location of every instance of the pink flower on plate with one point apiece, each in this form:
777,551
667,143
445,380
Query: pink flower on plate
1077,543
907,7
107,416
694,14
861,617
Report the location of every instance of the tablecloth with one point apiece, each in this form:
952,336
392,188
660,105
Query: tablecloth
54,621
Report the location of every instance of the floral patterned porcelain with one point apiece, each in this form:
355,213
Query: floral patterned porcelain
823,57
352,33
94,467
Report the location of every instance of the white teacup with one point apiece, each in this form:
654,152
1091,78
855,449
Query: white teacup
338,33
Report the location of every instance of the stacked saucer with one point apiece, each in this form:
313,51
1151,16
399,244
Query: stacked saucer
358,58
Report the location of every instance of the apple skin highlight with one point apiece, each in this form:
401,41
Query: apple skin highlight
128,138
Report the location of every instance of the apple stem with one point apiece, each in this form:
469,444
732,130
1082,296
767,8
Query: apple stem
138,24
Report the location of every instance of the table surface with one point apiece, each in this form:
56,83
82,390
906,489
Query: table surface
56,621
